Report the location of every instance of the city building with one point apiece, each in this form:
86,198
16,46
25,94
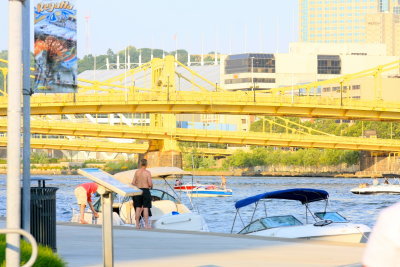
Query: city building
384,28
350,21
305,63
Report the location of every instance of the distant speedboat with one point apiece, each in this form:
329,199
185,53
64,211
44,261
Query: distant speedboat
209,191
380,188
187,187
329,226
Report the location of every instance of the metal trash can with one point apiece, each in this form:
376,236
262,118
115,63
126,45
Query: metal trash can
43,215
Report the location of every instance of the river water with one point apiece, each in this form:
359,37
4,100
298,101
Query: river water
219,212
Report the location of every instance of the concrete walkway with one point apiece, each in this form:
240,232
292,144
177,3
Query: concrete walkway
81,245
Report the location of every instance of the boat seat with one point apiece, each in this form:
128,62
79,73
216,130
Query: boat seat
162,207
159,208
127,212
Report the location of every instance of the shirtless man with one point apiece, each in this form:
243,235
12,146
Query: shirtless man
142,180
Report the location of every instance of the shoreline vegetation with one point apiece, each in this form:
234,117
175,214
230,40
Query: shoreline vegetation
234,173
256,162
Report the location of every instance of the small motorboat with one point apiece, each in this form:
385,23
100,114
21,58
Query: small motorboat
386,187
167,212
187,187
329,226
209,191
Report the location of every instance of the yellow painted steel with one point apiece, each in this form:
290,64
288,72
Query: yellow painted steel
237,103
162,97
225,137
112,96
300,130
83,145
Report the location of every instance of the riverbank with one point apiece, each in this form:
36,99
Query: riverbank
287,174
230,173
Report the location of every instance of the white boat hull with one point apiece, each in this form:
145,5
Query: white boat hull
348,238
185,221
165,215
342,232
210,193
377,189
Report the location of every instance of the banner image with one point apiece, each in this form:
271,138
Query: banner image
56,62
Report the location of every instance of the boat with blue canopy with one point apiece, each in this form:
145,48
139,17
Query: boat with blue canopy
325,225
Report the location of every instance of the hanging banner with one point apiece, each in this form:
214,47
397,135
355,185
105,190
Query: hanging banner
56,62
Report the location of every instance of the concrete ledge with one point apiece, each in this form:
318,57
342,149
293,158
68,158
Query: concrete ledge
81,245
290,240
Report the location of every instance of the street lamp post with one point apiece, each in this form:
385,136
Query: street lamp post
341,93
252,78
14,130
27,92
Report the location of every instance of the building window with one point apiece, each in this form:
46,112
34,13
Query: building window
247,63
249,80
329,64
356,87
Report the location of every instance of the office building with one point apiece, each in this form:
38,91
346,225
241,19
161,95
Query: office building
335,21
384,28
305,63
348,21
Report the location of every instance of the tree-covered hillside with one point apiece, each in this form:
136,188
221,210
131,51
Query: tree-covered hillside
384,130
88,63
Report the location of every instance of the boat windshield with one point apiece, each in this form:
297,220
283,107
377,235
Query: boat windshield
253,227
280,221
157,194
332,216
270,222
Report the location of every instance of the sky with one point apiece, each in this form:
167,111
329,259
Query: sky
228,26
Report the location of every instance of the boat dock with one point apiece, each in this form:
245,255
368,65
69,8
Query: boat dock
81,245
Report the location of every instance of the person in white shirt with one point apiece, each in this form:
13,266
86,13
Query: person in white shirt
383,248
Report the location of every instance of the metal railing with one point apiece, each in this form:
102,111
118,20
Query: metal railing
31,240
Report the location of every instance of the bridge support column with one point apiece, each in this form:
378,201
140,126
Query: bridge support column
163,153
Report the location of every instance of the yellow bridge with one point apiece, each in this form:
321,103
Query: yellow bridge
208,136
152,88
120,94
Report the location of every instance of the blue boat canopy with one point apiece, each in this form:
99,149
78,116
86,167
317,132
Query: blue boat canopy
304,195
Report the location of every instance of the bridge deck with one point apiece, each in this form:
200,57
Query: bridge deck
211,103
210,136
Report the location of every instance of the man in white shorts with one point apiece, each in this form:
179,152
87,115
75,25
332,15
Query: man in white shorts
83,195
